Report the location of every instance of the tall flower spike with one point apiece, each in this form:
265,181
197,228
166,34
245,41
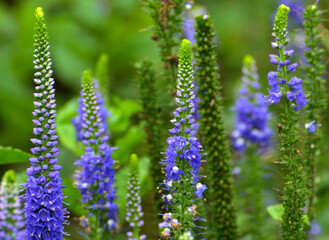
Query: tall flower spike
134,207
96,179
182,186
147,89
294,192
11,221
316,87
251,137
222,215
44,210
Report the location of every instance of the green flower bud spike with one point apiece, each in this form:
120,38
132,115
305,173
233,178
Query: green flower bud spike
134,208
315,86
222,214
147,89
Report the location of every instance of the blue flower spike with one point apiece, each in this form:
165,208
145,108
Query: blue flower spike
182,186
44,211
95,180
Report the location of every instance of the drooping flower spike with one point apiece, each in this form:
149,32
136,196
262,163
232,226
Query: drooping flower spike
182,164
44,210
11,220
134,207
221,212
293,99
96,178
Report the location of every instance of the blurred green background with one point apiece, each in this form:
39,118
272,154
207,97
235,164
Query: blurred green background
80,30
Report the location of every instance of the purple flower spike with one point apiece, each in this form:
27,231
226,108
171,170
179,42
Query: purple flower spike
95,180
44,210
251,111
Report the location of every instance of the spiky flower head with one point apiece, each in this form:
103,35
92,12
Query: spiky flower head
183,158
251,111
44,210
103,112
96,179
11,220
134,208
281,86
221,222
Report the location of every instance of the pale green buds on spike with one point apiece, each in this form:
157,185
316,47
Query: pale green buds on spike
134,207
185,53
134,163
248,60
281,17
9,177
86,80
39,12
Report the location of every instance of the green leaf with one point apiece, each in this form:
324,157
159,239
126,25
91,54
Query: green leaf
11,155
65,127
122,110
133,136
276,211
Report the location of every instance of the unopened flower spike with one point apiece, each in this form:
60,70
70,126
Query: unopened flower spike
288,90
167,19
43,196
251,137
134,208
147,88
222,214
315,87
182,186
12,225
95,180
103,77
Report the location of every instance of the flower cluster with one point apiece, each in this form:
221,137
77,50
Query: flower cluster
78,120
281,86
11,220
183,158
134,208
96,178
252,113
44,210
